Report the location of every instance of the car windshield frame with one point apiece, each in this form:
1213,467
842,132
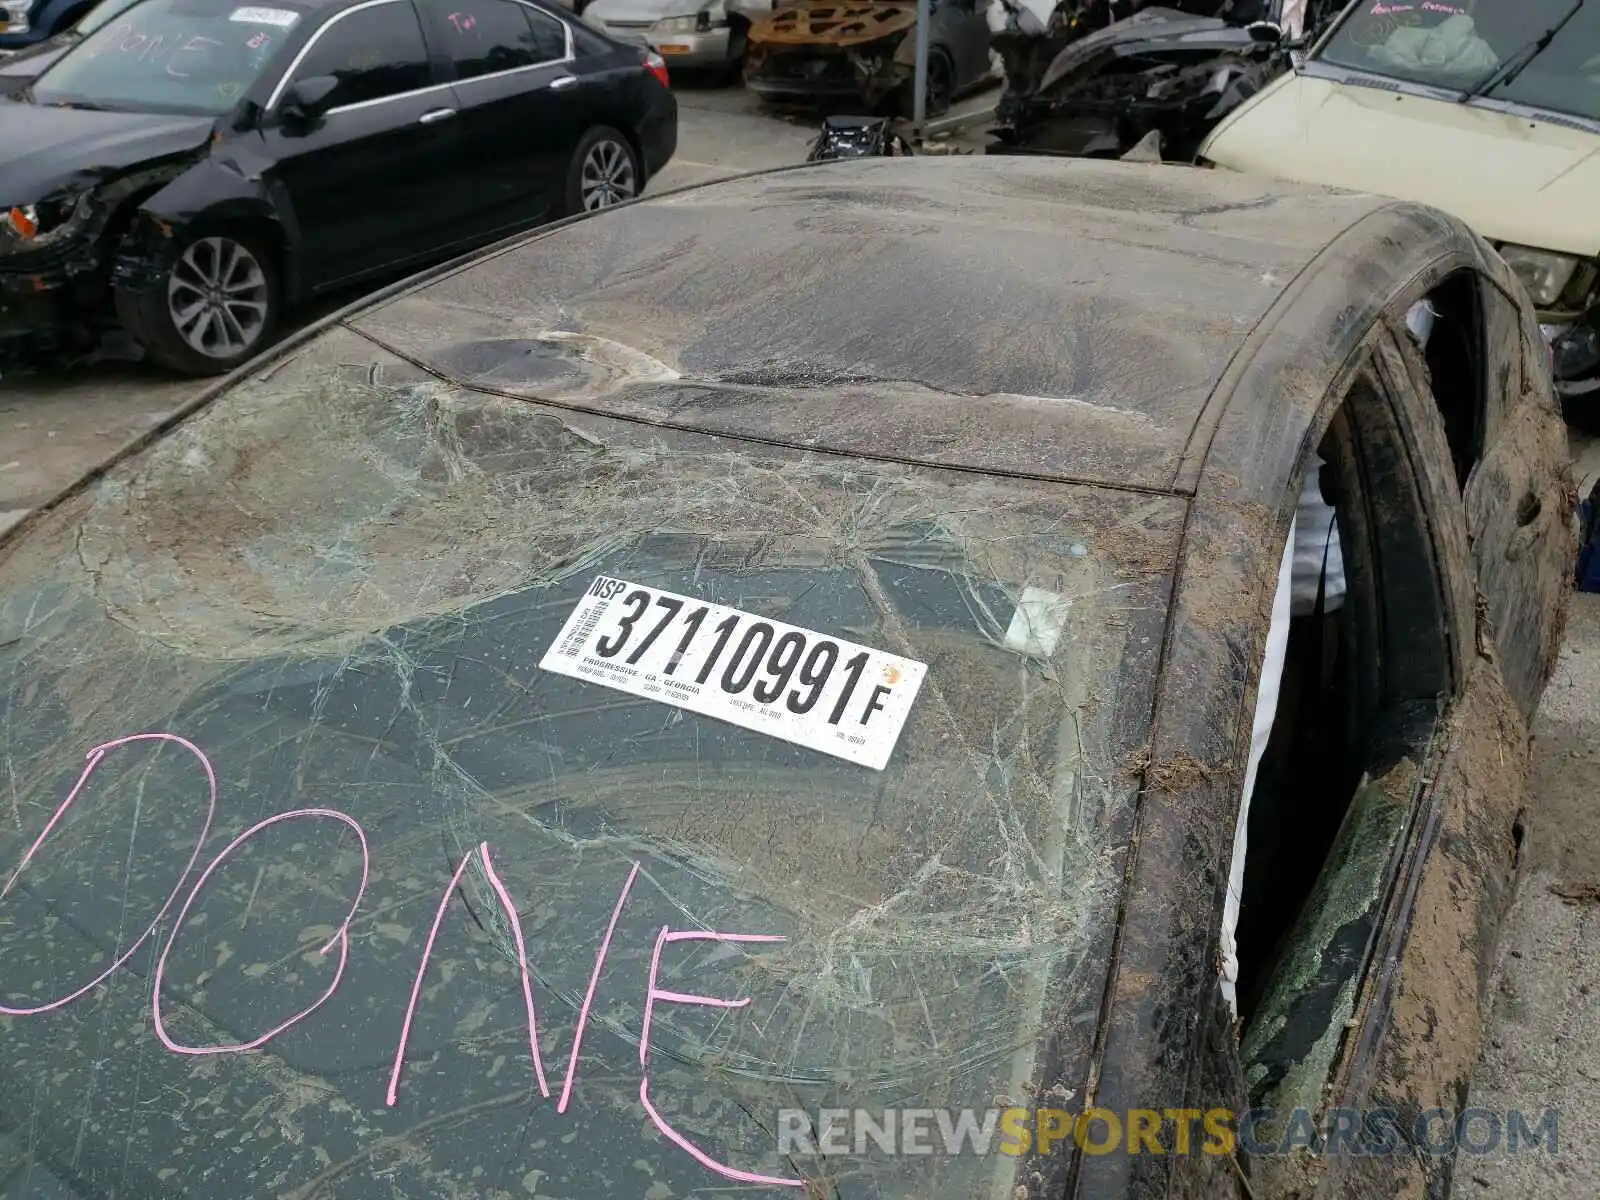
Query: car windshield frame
162,41
1375,37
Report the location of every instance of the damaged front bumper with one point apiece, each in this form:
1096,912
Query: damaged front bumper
55,286
51,298
822,72
1160,71
822,51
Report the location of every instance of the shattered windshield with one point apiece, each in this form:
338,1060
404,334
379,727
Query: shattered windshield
176,56
1458,43
417,793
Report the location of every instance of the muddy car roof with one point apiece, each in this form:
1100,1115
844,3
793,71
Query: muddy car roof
1064,320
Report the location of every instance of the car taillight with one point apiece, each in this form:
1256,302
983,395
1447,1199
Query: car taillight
657,66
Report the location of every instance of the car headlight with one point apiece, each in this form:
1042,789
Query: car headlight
16,14
30,226
1545,274
689,24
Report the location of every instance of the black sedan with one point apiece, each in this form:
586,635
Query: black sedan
628,718
196,167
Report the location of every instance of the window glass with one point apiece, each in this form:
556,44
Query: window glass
549,36
586,41
1462,44
485,36
373,53
171,56
102,14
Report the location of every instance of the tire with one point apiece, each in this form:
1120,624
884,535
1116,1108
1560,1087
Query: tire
604,171
216,305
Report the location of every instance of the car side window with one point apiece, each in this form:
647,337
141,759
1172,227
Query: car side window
486,36
1452,363
373,52
1367,672
549,35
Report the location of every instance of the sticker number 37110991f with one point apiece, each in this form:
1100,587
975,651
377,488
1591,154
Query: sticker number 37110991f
805,687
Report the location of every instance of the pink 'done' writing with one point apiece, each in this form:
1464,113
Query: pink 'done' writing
341,938
96,757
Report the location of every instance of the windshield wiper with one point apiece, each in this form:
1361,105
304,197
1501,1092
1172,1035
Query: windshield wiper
1513,66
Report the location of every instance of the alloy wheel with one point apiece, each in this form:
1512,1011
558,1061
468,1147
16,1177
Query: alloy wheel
607,177
217,297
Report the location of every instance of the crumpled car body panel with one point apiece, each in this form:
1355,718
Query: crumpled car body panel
1083,88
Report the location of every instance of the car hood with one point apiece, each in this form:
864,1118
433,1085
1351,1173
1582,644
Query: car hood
1511,179
43,148
1151,31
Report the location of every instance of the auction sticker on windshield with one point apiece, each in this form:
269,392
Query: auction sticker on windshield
283,18
805,687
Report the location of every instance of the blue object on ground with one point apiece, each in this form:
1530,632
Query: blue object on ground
1589,553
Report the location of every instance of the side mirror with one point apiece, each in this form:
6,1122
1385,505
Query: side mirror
307,100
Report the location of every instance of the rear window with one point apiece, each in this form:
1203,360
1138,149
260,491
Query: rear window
443,633
181,56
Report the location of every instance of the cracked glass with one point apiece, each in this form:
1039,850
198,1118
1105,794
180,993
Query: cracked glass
335,585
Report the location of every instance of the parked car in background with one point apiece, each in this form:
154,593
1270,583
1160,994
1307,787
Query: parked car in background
855,582
26,64
862,53
198,167
24,23
697,35
1171,71
1489,110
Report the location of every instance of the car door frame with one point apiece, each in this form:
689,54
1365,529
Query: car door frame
1461,855
1166,1034
1520,422
268,126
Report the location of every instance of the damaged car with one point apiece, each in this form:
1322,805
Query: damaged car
195,169
1172,72
862,53
694,35
1033,645
1489,109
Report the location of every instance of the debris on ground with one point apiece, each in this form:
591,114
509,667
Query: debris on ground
1589,554
1577,893
857,137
